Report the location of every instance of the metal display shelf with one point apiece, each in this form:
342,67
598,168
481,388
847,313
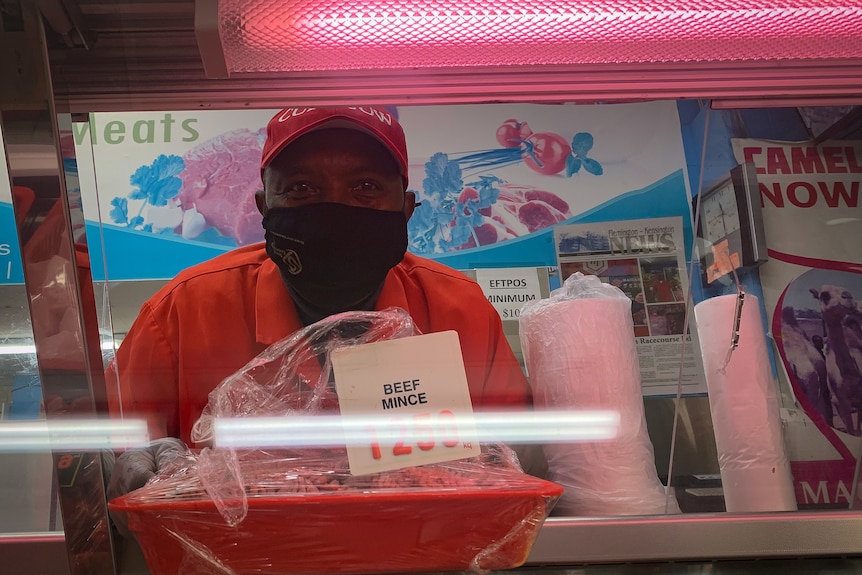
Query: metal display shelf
801,542
708,536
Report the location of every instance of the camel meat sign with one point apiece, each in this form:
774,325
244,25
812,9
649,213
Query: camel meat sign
812,286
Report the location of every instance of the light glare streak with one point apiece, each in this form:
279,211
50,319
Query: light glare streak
333,430
72,435
20,349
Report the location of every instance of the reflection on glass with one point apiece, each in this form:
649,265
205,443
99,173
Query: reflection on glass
71,435
327,431
27,497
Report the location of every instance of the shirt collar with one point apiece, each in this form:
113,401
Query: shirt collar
275,313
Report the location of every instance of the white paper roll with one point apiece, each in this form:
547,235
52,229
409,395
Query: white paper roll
743,399
581,354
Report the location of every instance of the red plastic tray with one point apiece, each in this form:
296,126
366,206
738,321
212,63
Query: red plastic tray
346,532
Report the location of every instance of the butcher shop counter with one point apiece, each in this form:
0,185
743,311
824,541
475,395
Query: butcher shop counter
714,543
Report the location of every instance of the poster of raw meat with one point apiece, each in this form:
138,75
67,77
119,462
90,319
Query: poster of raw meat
176,188
495,179
812,285
166,190
646,260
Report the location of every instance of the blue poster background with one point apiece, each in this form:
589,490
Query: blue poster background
10,252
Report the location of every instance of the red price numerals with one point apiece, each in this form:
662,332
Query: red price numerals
422,431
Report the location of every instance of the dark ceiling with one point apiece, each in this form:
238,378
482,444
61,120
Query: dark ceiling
123,47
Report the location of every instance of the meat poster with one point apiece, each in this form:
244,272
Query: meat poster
812,284
495,179
167,190
645,259
177,188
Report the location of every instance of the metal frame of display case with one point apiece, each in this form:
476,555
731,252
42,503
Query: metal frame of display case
71,375
562,541
592,541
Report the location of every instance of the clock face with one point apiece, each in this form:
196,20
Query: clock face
720,214
730,224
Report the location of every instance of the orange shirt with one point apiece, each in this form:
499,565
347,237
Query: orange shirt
214,317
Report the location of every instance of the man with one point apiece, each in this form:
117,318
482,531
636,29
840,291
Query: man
335,211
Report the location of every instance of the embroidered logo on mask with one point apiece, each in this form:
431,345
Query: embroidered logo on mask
291,260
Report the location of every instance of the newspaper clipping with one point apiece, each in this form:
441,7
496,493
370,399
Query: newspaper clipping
646,260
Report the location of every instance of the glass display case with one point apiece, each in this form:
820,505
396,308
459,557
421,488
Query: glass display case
544,142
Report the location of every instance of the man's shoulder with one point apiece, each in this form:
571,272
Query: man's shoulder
442,286
423,270
441,298
234,265
236,260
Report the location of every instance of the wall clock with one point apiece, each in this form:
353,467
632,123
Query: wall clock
730,225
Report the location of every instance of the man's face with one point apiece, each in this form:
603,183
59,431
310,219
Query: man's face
335,165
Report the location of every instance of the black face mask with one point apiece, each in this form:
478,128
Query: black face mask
334,256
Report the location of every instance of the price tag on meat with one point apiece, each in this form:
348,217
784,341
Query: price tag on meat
411,400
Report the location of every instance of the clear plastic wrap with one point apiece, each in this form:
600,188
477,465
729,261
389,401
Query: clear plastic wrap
743,402
293,510
294,375
580,353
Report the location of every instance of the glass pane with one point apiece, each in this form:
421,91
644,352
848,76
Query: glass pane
798,206
582,166
494,216
686,448
144,246
27,498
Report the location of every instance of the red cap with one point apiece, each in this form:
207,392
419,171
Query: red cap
292,123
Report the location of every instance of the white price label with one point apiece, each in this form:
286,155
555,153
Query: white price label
413,396
508,289
423,431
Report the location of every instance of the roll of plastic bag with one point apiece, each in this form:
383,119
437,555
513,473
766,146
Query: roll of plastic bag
580,353
743,400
